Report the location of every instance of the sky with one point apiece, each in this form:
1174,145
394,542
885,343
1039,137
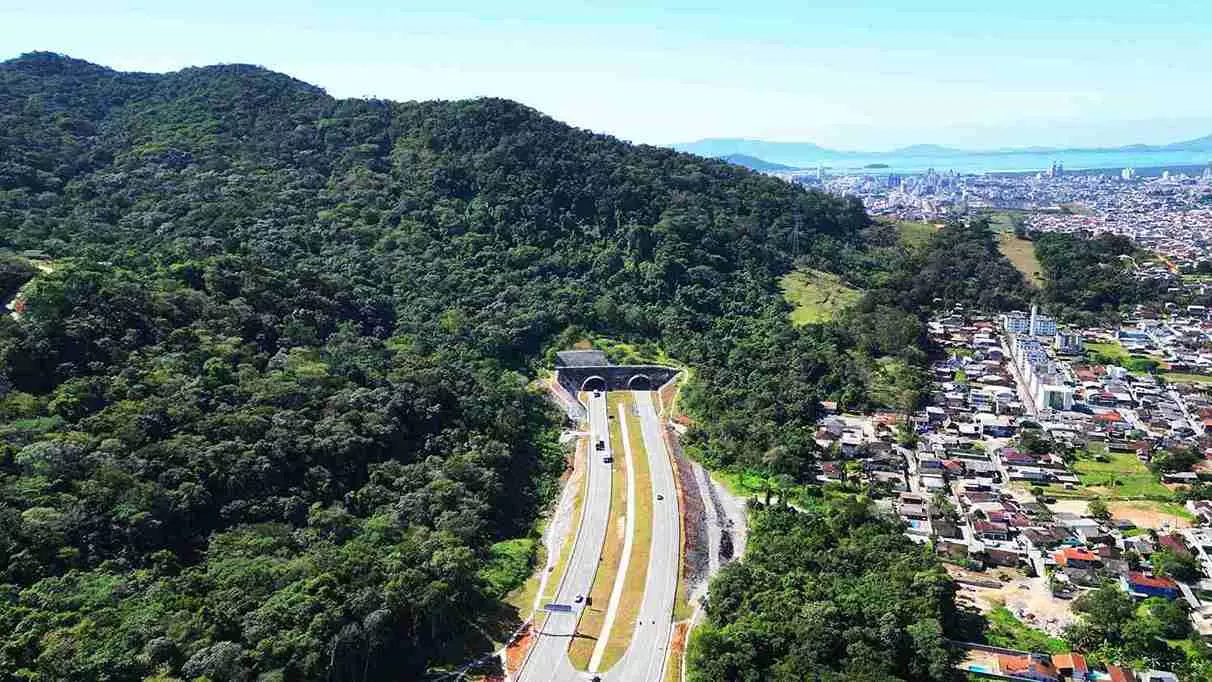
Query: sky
862,74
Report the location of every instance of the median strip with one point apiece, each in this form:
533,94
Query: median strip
620,578
637,571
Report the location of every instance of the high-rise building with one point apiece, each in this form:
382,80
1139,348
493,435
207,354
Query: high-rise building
1041,325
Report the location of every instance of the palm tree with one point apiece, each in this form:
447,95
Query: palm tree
765,487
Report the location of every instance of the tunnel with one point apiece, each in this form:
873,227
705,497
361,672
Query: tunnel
639,382
594,383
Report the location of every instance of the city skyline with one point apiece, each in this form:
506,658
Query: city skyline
867,77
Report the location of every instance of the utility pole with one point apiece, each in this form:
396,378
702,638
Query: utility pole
795,237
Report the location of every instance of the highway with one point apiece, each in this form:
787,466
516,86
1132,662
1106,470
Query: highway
646,655
548,659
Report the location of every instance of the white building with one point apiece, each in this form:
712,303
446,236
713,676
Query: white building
1016,322
1055,396
1035,324
1068,342
1041,325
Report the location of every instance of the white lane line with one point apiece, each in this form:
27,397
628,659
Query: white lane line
620,579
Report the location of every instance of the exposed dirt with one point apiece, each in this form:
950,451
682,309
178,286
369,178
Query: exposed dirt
1027,598
1146,515
515,651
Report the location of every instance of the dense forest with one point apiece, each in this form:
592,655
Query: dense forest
836,596
1090,279
265,401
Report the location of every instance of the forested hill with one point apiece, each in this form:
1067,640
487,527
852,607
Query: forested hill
264,407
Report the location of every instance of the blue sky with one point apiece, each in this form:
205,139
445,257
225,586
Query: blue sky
855,75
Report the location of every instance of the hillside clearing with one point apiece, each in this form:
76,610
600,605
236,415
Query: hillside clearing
1021,252
915,233
816,295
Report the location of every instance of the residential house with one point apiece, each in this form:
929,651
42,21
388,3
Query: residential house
1071,665
991,530
1028,667
1140,585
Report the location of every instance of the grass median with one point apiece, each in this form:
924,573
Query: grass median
589,627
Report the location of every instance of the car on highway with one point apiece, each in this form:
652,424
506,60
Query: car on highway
597,394
660,497
607,460
580,598
601,445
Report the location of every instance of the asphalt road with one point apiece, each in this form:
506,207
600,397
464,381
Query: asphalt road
645,658
646,655
548,659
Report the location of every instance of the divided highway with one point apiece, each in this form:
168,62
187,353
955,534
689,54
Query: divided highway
646,656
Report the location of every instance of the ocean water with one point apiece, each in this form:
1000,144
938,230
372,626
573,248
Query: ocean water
1013,162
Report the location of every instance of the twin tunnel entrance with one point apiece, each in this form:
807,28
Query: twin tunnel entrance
636,382
614,377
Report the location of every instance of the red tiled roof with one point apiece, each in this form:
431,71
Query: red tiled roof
1150,581
1119,674
1074,662
1075,554
1017,665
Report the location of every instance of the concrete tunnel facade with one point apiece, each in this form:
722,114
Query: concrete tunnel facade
615,377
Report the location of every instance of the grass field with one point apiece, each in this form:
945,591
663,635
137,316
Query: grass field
915,234
1123,477
1005,630
817,296
593,616
1181,378
1111,350
1002,220
1021,253
641,548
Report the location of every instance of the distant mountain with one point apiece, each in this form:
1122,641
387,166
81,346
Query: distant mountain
775,152
803,154
1199,144
754,163
923,150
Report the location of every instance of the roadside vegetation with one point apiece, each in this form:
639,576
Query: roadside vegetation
850,577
